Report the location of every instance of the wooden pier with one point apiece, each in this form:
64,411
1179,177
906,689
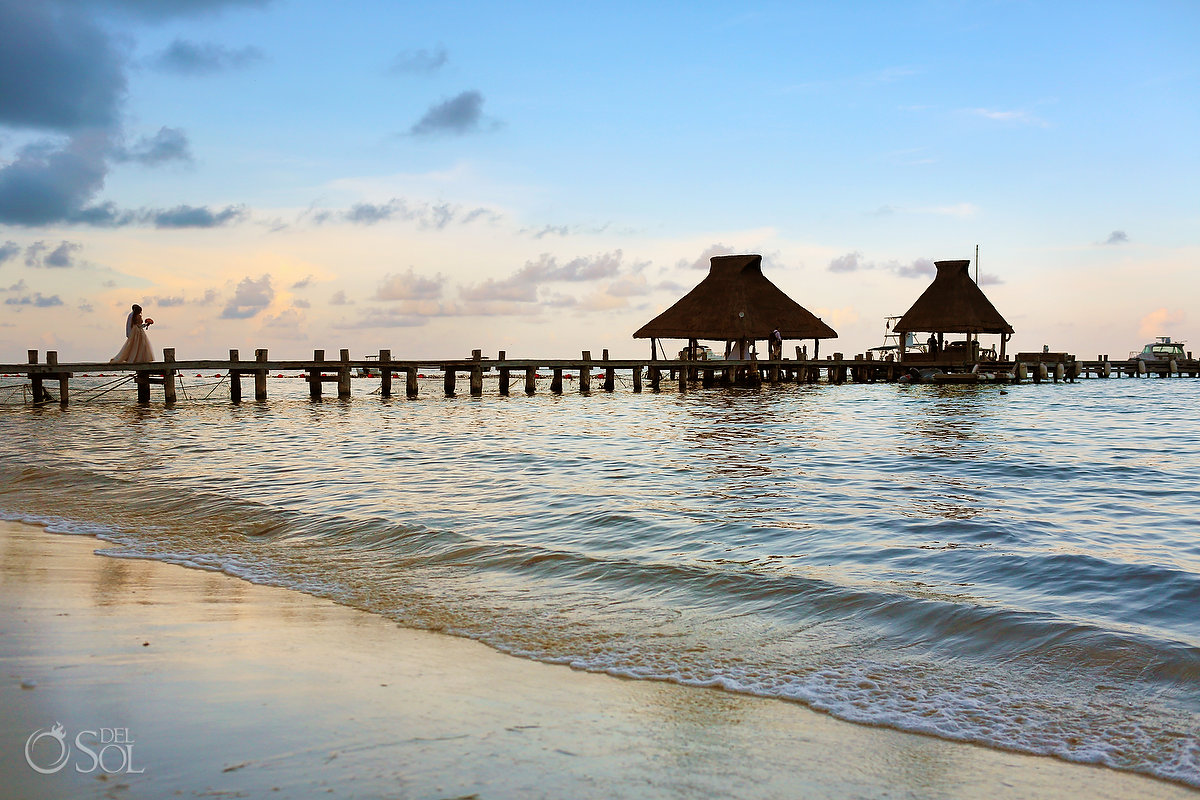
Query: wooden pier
680,374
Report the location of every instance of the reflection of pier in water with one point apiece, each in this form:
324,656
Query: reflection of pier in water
681,374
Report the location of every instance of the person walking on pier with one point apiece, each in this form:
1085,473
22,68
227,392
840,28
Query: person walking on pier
137,349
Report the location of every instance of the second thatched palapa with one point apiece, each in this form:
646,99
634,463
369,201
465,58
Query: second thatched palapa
735,303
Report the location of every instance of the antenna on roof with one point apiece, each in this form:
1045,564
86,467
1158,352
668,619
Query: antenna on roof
976,265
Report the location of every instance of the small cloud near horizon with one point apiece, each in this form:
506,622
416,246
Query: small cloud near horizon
1117,237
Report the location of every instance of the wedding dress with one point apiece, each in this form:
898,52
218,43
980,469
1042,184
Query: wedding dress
137,349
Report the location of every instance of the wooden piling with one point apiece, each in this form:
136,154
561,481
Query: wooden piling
637,379
503,374
64,379
655,375
169,396
142,378
314,376
235,378
410,382
385,373
556,381
585,373
448,381
530,380
260,376
344,375
477,373
610,375
35,379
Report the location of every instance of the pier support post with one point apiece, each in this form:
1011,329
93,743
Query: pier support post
314,375
344,375
448,381
503,374
410,382
235,378
706,378
142,378
38,392
477,373
64,379
385,373
683,379
609,374
655,375
556,381
637,378
530,380
585,373
260,376
169,396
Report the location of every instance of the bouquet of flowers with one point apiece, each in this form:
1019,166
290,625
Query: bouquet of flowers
149,321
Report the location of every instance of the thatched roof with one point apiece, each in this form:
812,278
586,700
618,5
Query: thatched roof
953,303
735,301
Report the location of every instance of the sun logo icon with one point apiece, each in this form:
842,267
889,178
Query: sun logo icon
59,734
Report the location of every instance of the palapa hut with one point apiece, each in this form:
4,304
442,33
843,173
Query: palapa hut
953,303
734,304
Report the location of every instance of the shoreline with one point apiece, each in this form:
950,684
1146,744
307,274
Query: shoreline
223,686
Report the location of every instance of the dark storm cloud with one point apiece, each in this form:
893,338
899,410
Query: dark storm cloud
458,115
169,144
195,217
9,250
62,72
418,62
204,58
250,297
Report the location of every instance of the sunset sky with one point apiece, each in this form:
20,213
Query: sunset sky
544,178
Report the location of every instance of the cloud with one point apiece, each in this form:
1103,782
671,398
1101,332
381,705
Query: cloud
381,318
165,302
847,263
418,62
195,217
853,262
522,285
47,184
987,279
63,72
36,300
339,299
169,144
304,283
182,57
1015,117
301,303
1117,237
409,286
33,254
429,217
161,10
1160,321
62,256
287,324
9,250
250,297
704,261
458,115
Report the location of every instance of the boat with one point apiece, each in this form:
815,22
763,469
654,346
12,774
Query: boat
891,342
1161,351
370,370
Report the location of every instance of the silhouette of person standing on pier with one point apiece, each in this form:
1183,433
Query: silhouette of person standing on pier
137,349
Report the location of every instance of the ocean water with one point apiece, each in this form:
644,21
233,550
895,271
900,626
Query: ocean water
1013,566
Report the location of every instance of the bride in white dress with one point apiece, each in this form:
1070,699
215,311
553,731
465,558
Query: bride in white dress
137,349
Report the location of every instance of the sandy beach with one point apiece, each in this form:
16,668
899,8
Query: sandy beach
204,685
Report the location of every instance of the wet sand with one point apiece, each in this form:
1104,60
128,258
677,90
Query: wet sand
217,687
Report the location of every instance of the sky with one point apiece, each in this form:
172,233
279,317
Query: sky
544,178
